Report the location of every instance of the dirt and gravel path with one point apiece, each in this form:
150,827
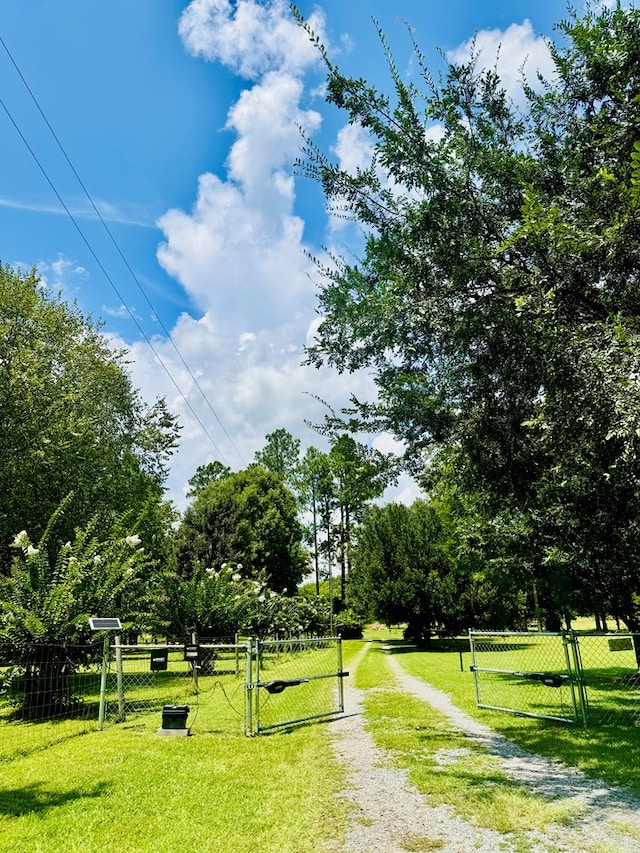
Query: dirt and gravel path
391,816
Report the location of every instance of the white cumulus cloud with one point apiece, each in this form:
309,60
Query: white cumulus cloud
249,37
511,52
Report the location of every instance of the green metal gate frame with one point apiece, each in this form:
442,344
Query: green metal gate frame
572,677
254,695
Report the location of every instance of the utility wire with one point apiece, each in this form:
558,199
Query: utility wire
120,253
108,277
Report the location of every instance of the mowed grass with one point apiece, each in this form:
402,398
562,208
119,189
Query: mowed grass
127,788
607,752
131,790
444,764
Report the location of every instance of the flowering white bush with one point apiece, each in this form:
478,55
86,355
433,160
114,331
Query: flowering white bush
222,603
48,598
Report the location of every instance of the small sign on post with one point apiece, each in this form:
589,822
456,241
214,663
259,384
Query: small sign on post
192,652
159,660
620,644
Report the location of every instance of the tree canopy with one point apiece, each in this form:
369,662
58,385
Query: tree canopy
248,518
496,301
280,454
70,419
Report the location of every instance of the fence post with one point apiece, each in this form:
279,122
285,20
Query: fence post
572,639
103,681
119,679
340,676
195,664
256,694
248,688
472,648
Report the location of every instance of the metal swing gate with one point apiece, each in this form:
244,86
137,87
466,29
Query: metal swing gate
292,681
529,674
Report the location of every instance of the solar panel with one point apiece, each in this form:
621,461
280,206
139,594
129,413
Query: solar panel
107,624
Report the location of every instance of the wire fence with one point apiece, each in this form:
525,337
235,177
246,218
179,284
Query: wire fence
610,669
229,687
588,679
529,674
205,679
53,696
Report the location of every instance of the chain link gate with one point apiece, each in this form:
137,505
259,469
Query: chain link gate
570,676
610,670
265,684
293,681
532,675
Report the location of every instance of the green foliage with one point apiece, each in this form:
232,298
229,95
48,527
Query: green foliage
497,302
280,455
248,518
51,593
348,625
407,568
220,603
70,420
206,474
53,590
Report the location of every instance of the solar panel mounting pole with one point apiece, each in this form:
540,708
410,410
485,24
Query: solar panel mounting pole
106,625
103,681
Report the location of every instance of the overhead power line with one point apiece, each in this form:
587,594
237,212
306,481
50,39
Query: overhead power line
122,257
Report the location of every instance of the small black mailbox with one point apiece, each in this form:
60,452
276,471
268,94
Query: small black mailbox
175,716
159,660
192,652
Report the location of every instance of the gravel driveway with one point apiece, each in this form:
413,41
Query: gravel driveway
391,816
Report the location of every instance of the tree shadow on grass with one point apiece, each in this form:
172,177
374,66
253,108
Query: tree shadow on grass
437,644
36,799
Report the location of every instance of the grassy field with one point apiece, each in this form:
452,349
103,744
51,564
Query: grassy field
126,788
65,788
609,752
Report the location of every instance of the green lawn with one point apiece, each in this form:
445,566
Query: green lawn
610,752
130,790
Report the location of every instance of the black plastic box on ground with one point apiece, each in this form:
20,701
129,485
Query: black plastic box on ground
175,716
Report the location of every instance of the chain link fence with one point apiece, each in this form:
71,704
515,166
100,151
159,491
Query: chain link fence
227,687
588,679
609,666
529,674
206,677
52,696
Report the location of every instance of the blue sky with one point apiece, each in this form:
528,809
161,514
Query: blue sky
181,120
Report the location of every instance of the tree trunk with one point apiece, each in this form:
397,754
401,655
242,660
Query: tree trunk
47,688
633,624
